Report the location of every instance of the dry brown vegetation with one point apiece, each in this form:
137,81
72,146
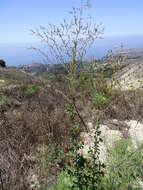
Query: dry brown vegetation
122,105
39,118
126,105
33,114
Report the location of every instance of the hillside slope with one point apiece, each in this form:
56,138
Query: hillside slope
131,76
33,115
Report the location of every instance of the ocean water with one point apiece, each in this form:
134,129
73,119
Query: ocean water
19,54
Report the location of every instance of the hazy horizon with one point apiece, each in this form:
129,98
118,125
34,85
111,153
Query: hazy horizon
19,53
122,21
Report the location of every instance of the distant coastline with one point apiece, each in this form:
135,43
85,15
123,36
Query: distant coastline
19,54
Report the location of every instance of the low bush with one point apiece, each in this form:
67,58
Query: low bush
9,101
99,99
40,119
124,166
123,169
4,100
62,183
31,90
2,63
85,83
49,160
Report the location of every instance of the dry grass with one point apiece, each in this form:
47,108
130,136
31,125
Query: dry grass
41,119
38,119
125,105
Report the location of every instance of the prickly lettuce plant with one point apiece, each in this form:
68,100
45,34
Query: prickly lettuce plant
86,174
96,166
69,42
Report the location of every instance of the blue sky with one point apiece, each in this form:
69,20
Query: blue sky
17,17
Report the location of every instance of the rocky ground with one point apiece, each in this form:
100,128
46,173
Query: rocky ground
112,131
131,76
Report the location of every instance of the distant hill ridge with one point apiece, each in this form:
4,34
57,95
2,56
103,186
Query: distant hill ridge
132,56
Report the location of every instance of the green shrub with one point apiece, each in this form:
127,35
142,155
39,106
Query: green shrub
55,154
124,166
52,155
4,100
85,174
9,101
31,90
85,83
62,183
2,63
99,99
47,157
123,170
